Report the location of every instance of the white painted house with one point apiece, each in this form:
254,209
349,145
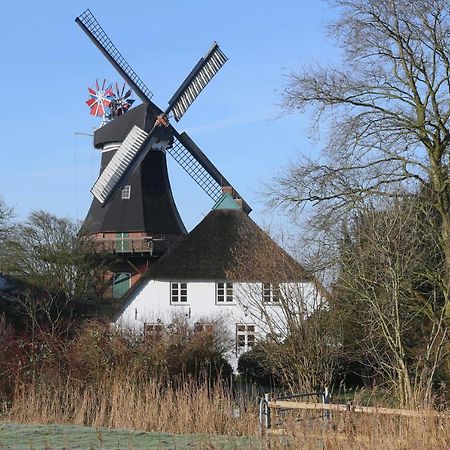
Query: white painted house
225,269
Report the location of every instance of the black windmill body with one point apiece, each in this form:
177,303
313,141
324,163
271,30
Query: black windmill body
132,196
144,205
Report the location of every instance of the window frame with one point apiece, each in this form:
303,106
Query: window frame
245,331
177,295
153,330
203,327
222,292
271,294
126,192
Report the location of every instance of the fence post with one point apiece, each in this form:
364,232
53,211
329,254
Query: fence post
267,399
264,410
261,414
326,415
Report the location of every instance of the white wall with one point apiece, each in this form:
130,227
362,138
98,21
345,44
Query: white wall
151,303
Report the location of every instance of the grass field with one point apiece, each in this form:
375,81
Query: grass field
15,436
362,433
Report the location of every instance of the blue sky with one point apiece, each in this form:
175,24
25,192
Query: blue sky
48,63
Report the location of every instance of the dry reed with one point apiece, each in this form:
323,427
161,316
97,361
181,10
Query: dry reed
199,408
149,406
365,432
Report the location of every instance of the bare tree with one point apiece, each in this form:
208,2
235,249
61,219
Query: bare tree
389,297
59,269
6,215
290,308
386,111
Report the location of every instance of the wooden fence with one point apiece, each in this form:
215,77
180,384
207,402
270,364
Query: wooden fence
268,403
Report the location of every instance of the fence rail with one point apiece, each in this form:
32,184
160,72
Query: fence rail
353,409
266,403
269,403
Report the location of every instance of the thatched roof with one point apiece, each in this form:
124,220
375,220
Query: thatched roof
227,245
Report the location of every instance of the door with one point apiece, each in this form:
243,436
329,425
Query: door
123,243
121,284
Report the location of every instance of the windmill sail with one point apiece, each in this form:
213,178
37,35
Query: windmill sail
200,168
196,81
118,166
138,143
93,29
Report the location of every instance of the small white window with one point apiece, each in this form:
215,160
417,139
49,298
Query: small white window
271,293
245,337
178,293
126,192
224,293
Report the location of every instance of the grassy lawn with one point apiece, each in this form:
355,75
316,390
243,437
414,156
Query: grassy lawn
15,436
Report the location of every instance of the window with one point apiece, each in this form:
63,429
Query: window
121,284
126,192
271,293
200,327
224,293
178,293
153,331
245,337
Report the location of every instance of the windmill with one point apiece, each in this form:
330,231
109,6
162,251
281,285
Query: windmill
134,145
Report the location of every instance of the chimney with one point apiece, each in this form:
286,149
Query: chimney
230,190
